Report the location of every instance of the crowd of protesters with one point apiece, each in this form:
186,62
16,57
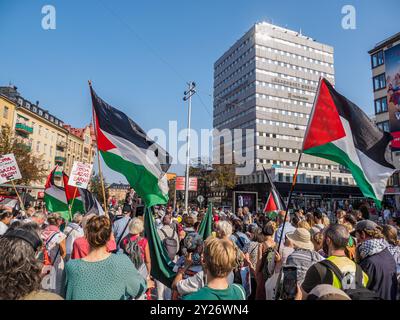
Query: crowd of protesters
249,256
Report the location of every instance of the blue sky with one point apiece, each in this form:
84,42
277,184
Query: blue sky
139,54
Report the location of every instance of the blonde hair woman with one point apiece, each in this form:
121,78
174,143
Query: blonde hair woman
219,259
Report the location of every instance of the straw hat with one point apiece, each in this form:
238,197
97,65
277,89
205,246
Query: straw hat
301,238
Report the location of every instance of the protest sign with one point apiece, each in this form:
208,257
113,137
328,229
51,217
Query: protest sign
9,170
80,175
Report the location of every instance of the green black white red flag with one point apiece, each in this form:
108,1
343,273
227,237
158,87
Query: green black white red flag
274,201
127,149
55,198
340,131
205,227
161,264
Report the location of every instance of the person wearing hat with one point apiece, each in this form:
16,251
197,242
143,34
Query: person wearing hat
304,255
376,260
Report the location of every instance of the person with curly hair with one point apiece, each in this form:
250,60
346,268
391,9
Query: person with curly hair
102,275
20,270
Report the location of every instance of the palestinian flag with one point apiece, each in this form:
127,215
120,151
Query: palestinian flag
161,265
205,227
340,131
274,201
127,149
85,201
73,195
54,197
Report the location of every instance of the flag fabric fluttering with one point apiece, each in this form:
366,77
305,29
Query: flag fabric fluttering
274,202
55,198
85,202
126,148
205,227
340,131
161,264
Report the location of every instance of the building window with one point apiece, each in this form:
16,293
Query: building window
381,105
379,82
377,59
384,126
5,112
40,129
38,146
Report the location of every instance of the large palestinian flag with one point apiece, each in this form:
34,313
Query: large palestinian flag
340,131
54,197
127,149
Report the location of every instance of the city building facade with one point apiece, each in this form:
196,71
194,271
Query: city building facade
45,135
379,85
267,82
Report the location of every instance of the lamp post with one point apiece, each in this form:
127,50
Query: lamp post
188,97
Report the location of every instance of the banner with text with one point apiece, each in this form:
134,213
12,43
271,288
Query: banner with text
9,168
80,175
392,68
180,183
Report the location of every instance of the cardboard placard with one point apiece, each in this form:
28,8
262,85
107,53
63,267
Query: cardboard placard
80,175
9,169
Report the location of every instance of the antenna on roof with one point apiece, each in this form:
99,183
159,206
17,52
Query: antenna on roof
300,32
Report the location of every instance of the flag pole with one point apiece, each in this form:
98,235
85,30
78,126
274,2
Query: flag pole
19,198
289,198
72,202
98,156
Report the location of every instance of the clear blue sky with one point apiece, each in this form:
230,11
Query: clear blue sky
140,54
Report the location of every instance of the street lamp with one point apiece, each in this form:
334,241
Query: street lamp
188,97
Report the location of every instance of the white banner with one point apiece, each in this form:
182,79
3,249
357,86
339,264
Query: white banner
80,175
9,168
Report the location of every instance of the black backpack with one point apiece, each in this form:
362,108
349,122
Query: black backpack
356,290
170,244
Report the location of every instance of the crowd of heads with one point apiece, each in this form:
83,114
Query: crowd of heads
261,244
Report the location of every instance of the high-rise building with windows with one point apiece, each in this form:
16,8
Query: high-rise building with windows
267,82
379,77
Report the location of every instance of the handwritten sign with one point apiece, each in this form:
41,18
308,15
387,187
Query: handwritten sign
80,175
9,168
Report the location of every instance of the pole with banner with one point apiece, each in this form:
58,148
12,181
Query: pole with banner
98,158
79,178
9,171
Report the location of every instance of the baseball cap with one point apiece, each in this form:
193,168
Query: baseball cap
366,225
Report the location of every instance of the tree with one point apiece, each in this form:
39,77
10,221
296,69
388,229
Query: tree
96,188
31,167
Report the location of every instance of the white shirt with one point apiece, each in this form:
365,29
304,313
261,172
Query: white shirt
3,228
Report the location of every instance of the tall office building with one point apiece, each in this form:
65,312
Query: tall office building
267,82
380,73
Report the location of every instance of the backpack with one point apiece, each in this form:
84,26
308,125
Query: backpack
47,261
267,265
133,251
170,244
351,285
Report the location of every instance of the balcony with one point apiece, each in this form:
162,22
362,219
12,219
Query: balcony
61,144
57,174
24,146
23,128
60,159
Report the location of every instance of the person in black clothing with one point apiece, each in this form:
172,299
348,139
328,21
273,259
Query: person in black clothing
375,259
